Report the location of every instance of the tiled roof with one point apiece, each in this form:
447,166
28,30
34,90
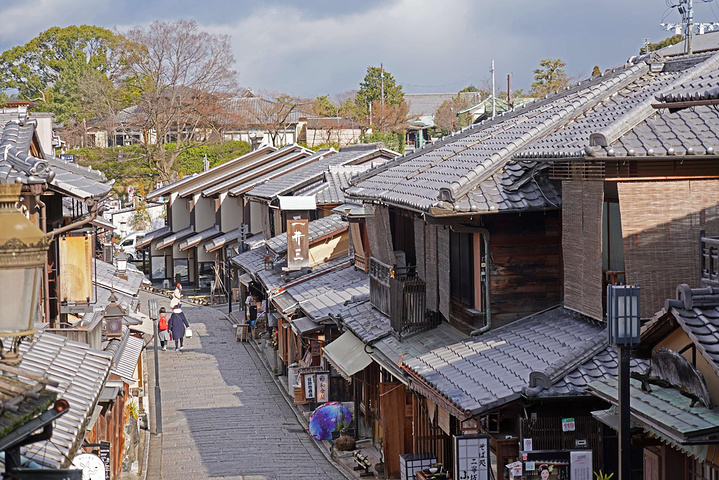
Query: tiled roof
275,279
156,234
196,239
222,240
28,398
365,321
608,115
697,312
315,172
78,181
329,123
441,174
389,351
257,170
299,160
704,87
666,410
326,294
80,373
315,229
484,372
173,237
337,178
295,180
428,103
191,183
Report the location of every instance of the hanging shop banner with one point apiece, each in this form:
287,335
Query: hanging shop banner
471,457
92,466
323,387
309,386
76,267
298,244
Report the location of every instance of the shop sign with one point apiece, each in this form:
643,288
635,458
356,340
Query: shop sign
93,468
298,244
515,469
568,424
309,386
471,454
323,387
580,465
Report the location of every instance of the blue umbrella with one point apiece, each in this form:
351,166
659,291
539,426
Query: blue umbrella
327,418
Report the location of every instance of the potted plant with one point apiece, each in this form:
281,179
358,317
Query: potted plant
344,442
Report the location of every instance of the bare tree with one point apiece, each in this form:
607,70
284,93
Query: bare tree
183,82
447,116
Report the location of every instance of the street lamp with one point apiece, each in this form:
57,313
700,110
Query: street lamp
623,324
23,254
154,314
121,259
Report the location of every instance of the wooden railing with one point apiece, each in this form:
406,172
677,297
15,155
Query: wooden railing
362,262
401,297
709,269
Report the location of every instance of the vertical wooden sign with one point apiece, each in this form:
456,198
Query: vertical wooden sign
298,244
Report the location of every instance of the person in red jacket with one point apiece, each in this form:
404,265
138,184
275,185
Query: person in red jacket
163,332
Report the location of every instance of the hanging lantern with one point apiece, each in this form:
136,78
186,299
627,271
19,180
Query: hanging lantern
23,254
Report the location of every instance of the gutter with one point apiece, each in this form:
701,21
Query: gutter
79,223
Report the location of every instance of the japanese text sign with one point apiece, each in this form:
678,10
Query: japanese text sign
471,454
298,245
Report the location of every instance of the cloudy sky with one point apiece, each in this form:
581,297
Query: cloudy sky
317,47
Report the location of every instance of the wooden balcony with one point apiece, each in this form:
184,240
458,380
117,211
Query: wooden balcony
709,269
401,297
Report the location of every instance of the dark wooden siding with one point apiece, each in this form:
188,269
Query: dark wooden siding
526,266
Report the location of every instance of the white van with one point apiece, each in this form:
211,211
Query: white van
128,243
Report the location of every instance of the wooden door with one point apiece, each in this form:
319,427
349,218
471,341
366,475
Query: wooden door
392,411
651,465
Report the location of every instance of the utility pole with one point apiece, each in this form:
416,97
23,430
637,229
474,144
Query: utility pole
646,46
687,25
153,313
509,92
381,76
494,103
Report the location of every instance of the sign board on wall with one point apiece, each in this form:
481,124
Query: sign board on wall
92,466
298,244
471,457
568,424
580,465
76,265
527,442
309,386
323,387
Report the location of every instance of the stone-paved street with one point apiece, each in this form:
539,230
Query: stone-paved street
223,415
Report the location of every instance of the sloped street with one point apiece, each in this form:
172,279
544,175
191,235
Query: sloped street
223,415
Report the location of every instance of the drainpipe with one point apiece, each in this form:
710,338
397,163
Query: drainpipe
36,190
93,207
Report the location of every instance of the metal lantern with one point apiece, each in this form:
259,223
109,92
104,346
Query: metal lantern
23,254
121,259
623,317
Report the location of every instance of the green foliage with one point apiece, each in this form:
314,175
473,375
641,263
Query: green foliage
132,410
48,68
550,77
371,89
130,167
392,140
603,476
323,107
320,146
192,160
469,89
664,43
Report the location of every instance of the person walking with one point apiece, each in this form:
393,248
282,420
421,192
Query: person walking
176,299
177,325
163,332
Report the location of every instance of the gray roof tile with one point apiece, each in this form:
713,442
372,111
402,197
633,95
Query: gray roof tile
325,295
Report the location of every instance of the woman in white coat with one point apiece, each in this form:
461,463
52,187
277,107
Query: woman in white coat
176,296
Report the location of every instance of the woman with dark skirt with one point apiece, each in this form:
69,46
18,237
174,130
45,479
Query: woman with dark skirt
177,325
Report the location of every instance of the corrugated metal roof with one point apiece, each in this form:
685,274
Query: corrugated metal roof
80,373
126,364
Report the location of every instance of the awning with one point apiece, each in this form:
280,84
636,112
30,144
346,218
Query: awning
610,418
195,240
216,243
245,279
297,203
126,365
141,323
148,238
347,355
102,222
285,303
304,325
175,236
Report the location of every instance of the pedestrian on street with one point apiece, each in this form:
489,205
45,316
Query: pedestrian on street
177,325
176,296
163,332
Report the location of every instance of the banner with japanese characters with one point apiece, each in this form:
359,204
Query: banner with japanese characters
298,245
471,457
